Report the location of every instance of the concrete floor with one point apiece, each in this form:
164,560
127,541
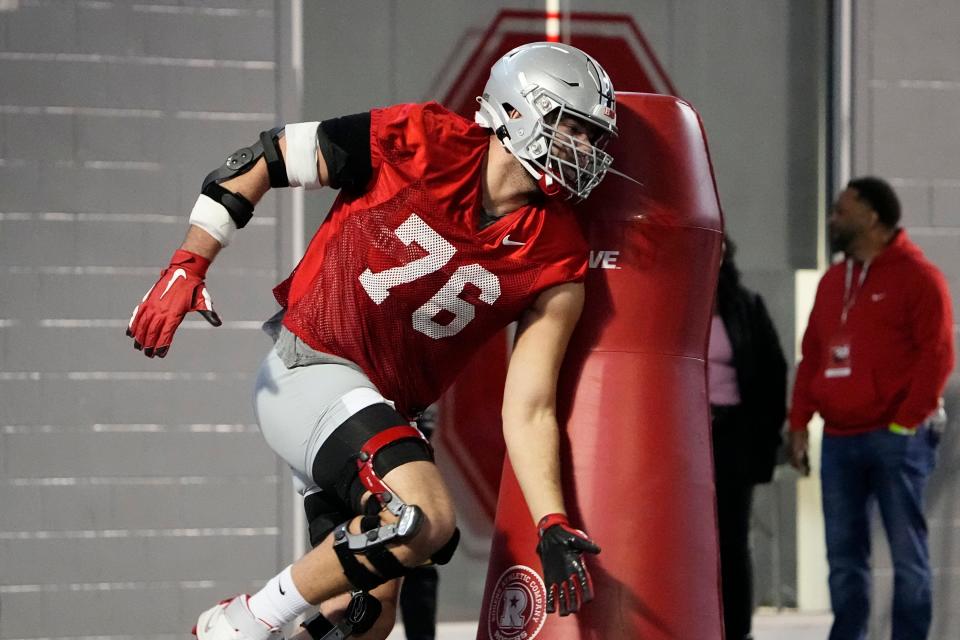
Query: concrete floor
766,626
791,626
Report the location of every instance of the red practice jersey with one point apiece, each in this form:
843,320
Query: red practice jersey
402,279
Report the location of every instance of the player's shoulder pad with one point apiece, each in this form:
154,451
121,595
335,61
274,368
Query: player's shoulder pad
405,129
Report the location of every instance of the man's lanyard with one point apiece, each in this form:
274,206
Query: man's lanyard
849,293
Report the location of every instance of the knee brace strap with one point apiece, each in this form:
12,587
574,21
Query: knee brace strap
368,475
334,467
445,553
371,542
361,614
358,575
324,512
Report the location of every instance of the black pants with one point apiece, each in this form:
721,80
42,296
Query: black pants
418,604
734,500
418,596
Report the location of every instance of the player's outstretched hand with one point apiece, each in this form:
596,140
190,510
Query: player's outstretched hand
561,550
179,290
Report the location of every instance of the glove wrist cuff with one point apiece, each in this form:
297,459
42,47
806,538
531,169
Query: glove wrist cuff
552,519
189,261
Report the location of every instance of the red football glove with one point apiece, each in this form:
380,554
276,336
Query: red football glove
561,550
179,290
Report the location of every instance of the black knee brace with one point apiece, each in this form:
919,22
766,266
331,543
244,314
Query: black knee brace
374,536
374,442
335,467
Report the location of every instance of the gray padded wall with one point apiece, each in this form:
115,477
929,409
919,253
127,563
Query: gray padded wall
129,485
906,96
133,493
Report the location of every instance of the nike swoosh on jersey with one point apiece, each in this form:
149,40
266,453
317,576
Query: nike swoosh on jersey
179,273
512,243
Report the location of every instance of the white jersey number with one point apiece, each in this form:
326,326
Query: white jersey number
439,253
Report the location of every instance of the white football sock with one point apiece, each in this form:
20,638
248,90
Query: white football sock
279,602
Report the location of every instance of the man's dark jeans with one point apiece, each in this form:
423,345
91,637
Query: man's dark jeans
891,469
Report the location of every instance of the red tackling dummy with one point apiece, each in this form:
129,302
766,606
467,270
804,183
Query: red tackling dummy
633,404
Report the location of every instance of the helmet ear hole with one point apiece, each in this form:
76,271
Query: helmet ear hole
510,110
538,150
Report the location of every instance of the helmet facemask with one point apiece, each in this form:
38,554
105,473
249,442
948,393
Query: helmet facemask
573,151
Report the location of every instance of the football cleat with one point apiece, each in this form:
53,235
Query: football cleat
232,619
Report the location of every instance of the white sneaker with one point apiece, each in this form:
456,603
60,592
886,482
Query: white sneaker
233,620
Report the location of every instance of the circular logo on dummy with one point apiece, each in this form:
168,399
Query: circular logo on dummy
518,606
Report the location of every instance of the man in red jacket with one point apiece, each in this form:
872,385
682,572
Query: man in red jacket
876,355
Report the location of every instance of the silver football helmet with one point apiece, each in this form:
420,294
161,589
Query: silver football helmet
553,107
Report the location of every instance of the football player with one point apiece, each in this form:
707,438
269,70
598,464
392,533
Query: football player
444,232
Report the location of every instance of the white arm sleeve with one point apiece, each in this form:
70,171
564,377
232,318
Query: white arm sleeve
301,155
213,217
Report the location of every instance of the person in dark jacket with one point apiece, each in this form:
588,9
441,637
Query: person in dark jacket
418,595
747,389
